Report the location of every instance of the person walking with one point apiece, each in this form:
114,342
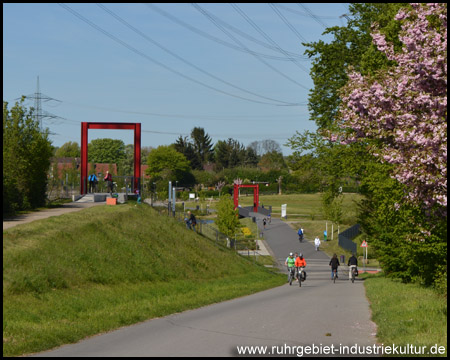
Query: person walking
317,243
92,182
109,183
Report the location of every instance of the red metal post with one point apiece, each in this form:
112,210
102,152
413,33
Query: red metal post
137,157
84,158
236,196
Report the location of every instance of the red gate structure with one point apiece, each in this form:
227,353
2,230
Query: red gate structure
255,195
85,126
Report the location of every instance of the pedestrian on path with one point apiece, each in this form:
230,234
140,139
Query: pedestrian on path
109,183
92,183
317,243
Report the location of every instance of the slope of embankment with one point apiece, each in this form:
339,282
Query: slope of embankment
80,274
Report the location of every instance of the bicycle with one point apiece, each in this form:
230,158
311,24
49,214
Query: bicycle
354,272
300,237
334,275
291,274
300,277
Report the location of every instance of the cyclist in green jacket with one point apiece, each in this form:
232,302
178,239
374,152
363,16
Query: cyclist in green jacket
290,263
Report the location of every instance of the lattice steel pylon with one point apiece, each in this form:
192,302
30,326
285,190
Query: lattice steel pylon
39,113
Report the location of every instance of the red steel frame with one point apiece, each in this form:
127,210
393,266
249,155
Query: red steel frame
85,126
255,195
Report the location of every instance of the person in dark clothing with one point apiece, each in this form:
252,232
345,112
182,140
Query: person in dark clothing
192,220
352,262
334,263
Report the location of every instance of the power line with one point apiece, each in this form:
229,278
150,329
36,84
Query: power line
292,56
267,37
305,14
289,25
313,15
131,48
214,21
183,116
118,18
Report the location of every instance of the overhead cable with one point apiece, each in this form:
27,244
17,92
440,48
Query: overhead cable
131,48
146,37
213,20
292,56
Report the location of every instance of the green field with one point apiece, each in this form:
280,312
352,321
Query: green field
80,274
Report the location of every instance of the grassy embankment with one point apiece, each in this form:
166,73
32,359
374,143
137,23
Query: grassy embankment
80,274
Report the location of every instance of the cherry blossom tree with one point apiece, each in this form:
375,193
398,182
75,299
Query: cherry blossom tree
401,111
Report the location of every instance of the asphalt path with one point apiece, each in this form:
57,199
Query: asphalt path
321,316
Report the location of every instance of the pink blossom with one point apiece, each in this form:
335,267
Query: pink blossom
407,103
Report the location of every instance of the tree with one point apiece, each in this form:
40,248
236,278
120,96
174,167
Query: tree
399,114
229,153
272,160
402,111
227,218
108,151
26,159
202,145
251,158
165,163
185,147
68,149
352,46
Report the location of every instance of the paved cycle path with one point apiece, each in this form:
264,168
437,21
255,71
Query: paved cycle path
46,213
283,319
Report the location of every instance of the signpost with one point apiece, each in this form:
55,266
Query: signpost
364,245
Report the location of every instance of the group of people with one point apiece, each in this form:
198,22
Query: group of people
93,181
298,261
334,263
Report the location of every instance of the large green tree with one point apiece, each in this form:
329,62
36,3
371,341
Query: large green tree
202,144
165,163
108,151
26,159
229,153
184,146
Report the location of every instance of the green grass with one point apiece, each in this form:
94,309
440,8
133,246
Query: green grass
406,314
304,206
80,274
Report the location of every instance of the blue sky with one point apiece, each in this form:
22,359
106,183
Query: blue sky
228,68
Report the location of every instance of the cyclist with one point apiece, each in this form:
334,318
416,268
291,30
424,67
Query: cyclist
352,263
300,262
290,263
334,263
300,234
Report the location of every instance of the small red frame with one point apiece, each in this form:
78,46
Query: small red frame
85,126
255,195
